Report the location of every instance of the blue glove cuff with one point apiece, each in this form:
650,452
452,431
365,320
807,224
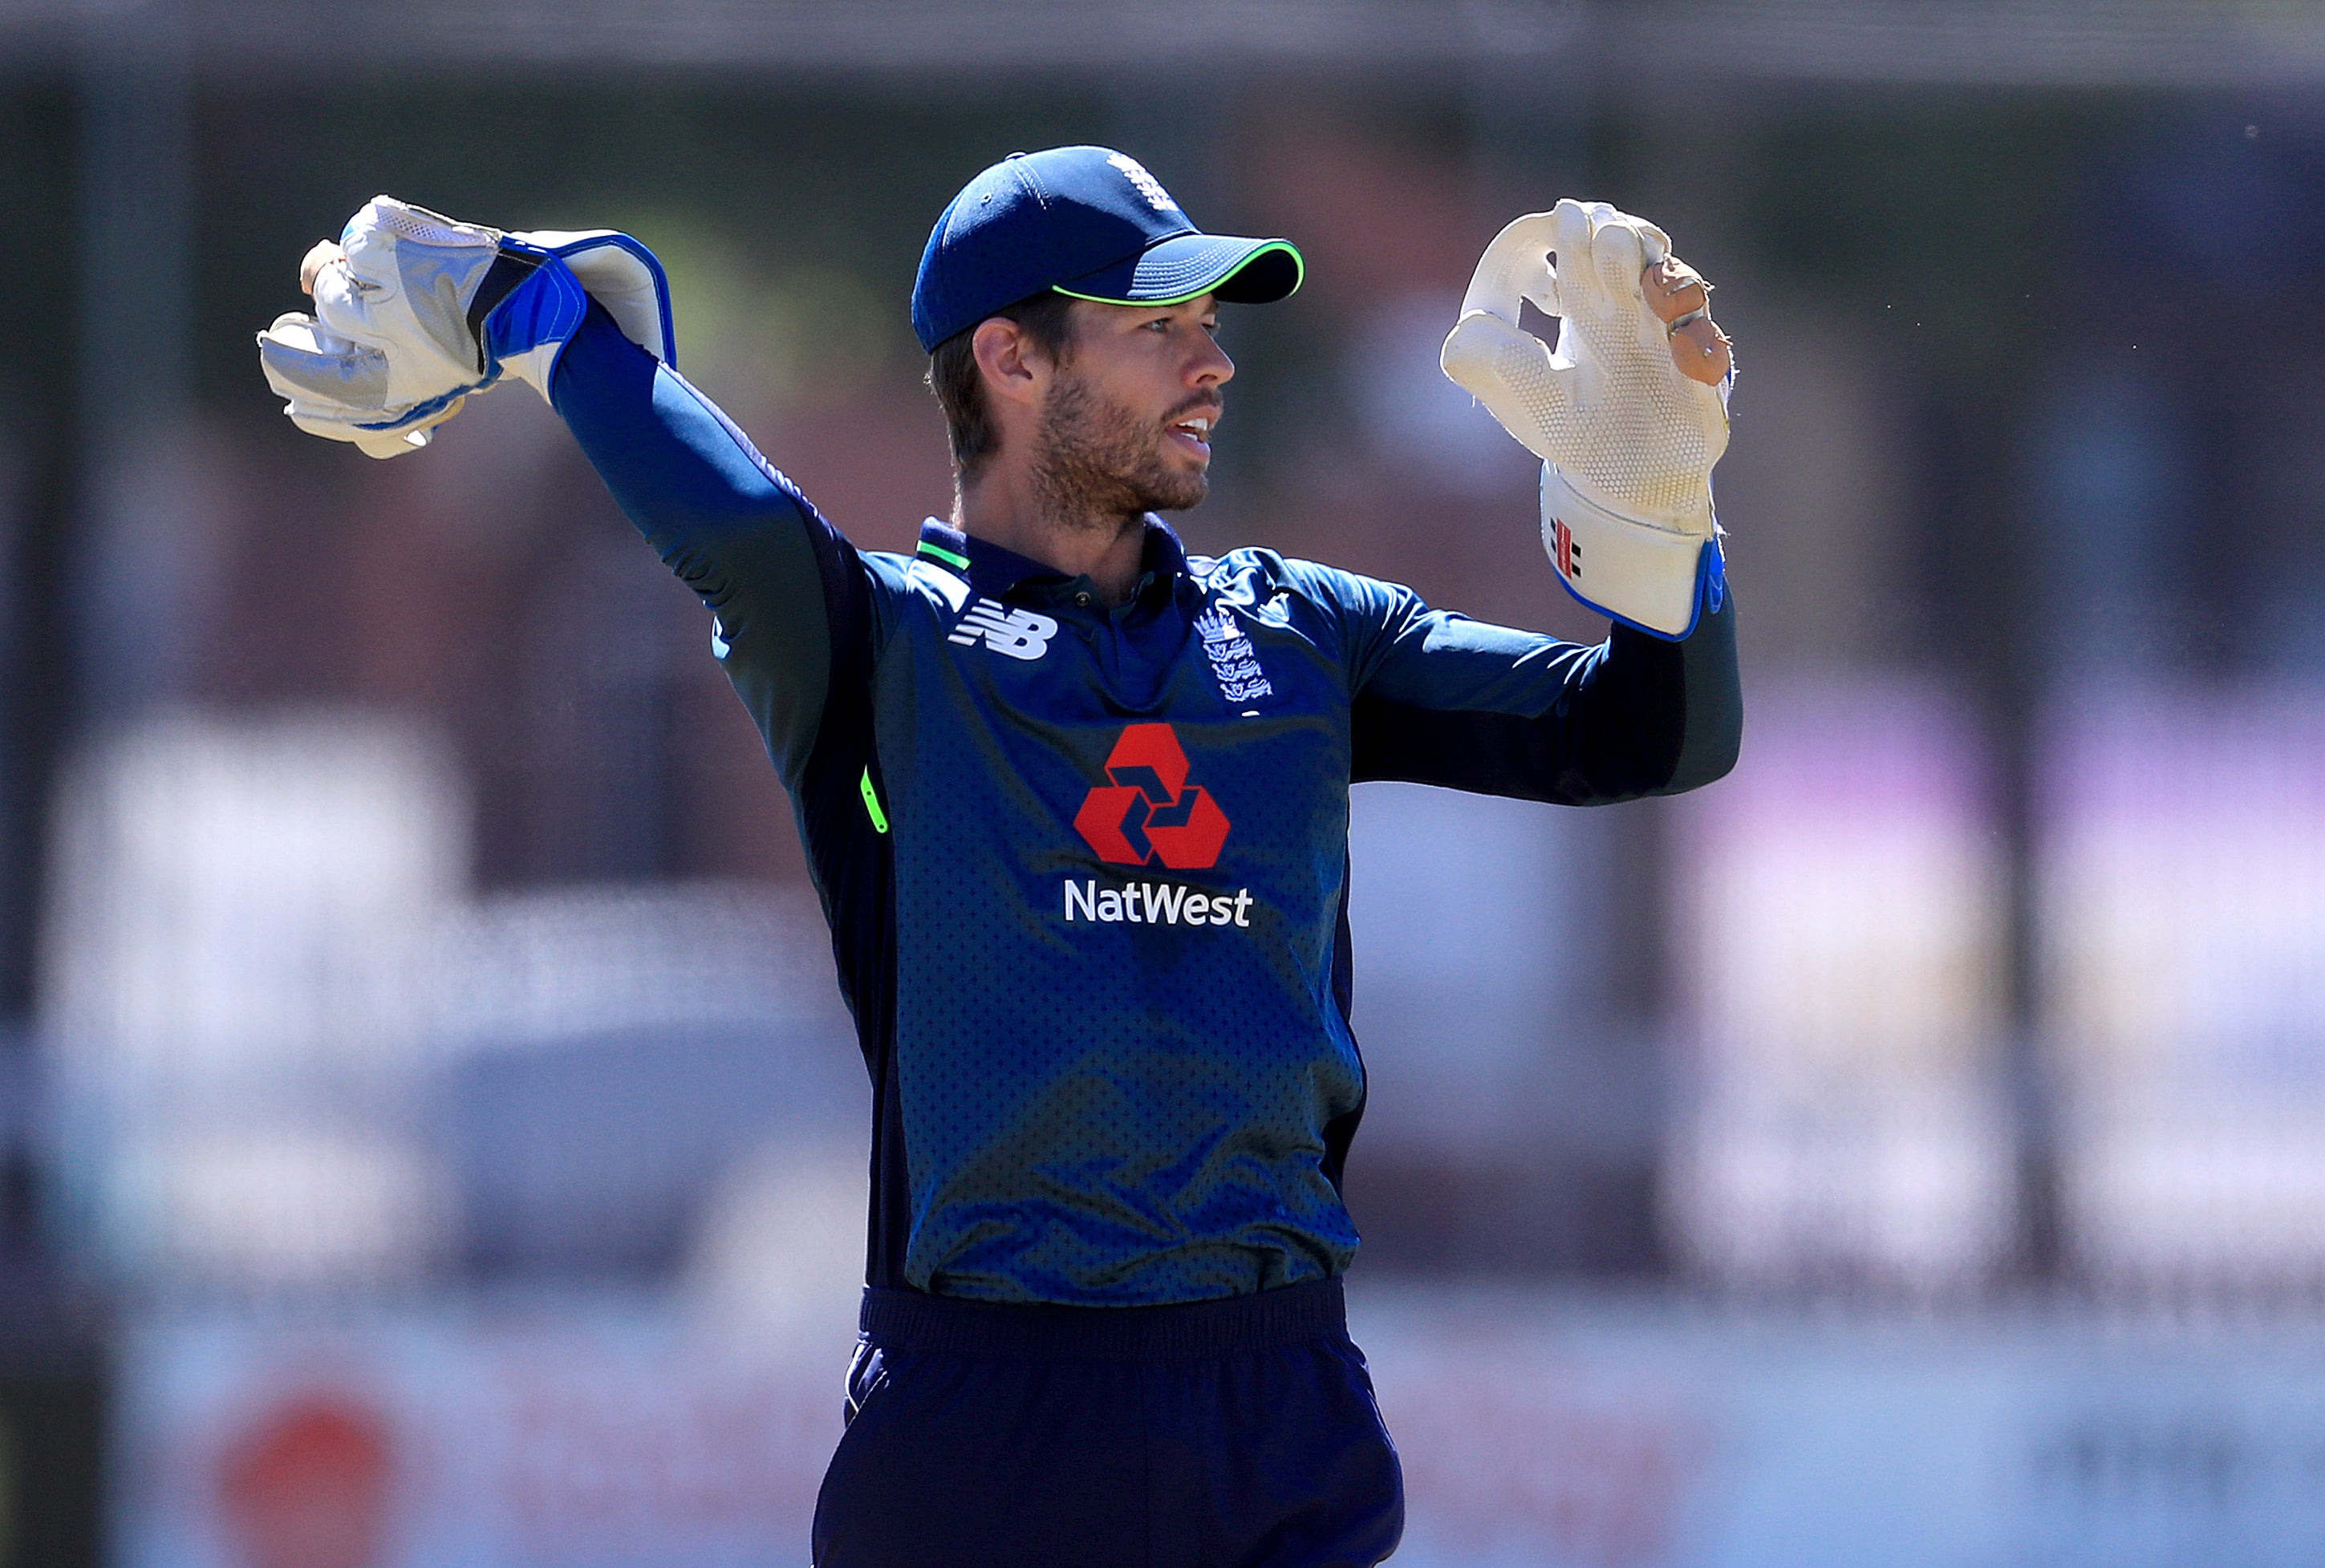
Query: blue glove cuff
535,297
538,314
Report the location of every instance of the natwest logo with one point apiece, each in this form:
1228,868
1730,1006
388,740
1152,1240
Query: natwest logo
1150,814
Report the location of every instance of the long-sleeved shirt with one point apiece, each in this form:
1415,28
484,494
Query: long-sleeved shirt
1086,867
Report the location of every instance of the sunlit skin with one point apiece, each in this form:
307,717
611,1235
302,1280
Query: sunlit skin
1157,365
1672,289
321,256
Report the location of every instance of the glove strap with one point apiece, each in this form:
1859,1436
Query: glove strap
509,269
535,296
526,331
1649,579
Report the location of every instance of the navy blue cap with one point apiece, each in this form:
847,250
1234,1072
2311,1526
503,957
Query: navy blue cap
1084,221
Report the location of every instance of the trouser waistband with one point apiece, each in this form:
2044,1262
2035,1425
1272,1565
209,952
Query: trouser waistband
913,1320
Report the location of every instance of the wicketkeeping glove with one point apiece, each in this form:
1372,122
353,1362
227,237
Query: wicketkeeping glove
425,311
1627,443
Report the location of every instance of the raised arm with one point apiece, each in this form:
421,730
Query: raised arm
792,598
416,312
1444,699
1629,413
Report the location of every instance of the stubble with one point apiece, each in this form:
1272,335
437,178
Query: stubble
1098,467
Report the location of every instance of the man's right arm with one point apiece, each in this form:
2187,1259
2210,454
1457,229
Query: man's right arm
415,312
792,599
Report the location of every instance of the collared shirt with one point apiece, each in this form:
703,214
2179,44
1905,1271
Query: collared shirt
1087,866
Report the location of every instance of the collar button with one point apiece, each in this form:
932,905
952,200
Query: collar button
1083,599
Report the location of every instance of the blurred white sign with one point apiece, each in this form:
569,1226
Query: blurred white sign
2182,896
238,991
242,902
264,974
1837,901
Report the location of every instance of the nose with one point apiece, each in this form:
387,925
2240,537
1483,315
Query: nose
1210,366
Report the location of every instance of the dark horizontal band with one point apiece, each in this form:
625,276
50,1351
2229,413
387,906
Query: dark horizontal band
913,1320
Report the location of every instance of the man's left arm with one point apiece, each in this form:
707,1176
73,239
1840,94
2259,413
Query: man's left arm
1629,413
1442,699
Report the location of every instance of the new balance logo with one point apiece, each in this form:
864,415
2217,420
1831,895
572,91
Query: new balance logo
1013,633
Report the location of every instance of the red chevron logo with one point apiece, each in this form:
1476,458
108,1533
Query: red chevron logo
1149,815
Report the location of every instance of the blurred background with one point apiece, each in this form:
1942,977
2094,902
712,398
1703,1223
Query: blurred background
429,1131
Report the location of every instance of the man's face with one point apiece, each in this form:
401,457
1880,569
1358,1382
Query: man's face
1127,425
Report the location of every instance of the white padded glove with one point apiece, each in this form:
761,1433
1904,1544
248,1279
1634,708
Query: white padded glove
396,345
1627,443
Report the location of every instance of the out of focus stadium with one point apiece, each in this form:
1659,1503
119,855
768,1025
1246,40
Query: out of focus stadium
430,1133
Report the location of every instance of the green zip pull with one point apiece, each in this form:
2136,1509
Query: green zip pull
872,803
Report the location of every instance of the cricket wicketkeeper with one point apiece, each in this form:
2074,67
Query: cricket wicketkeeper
1076,803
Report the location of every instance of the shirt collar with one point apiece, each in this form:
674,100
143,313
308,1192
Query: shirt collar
996,572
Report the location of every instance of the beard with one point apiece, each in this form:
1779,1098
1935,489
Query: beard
1098,465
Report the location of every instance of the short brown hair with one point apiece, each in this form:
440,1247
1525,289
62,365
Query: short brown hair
1045,318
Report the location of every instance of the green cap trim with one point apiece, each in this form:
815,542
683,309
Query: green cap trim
872,803
944,555
1298,262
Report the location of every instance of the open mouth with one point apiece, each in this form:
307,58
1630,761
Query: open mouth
1194,432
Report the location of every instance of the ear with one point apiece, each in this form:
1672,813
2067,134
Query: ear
1012,364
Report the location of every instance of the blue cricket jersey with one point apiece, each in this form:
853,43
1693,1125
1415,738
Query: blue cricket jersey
1087,867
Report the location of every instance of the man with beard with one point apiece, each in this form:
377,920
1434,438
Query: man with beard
1076,803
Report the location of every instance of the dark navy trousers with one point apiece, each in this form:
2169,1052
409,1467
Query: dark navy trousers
1235,1433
